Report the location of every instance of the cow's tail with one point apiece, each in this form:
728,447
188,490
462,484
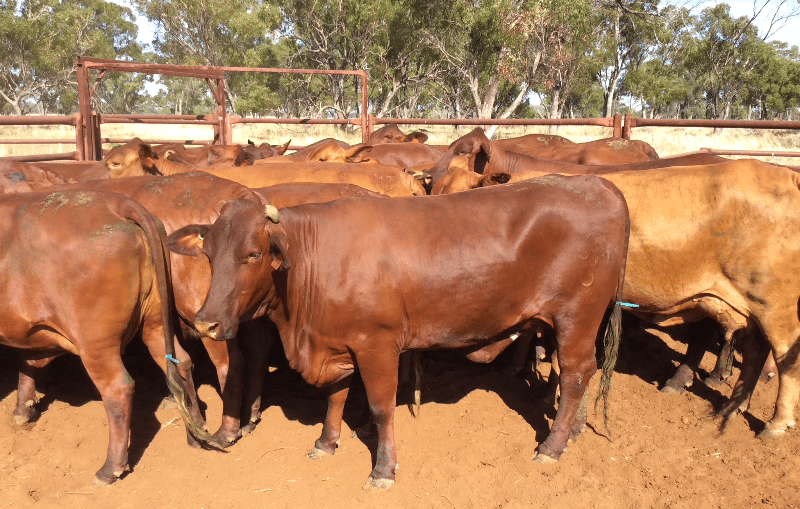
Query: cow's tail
153,230
613,334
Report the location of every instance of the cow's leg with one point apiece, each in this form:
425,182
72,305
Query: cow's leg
229,362
379,372
328,441
576,358
755,350
25,411
116,390
787,357
723,368
698,342
256,339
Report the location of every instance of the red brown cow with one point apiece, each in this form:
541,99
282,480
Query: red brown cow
17,177
486,157
129,160
83,272
387,180
532,143
392,134
209,156
722,242
265,150
177,201
195,197
403,155
358,281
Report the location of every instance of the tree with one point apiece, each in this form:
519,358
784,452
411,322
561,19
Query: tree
214,33
628,30
40,41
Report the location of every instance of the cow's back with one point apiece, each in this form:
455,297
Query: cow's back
729,232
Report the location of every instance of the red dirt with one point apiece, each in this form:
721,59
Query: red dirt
471,446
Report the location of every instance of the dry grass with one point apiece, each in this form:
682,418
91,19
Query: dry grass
666,140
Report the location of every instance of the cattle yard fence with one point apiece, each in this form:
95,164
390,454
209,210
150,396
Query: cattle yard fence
89,141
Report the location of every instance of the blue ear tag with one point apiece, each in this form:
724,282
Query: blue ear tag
628,305
173,359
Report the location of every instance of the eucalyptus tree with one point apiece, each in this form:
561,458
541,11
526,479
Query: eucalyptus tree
629,28
41,40
725,53
213,33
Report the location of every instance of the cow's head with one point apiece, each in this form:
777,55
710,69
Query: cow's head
132,159
392,134
475,146
244,251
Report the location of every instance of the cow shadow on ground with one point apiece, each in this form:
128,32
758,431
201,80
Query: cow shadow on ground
448,377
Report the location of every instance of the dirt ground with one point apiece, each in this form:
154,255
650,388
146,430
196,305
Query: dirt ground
471,447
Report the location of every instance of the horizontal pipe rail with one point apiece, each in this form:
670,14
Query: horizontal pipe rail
37,142
601,122
748,153
310,121
35,158
37,120
159,142
749,124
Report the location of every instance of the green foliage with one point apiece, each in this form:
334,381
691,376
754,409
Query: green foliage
464,58
41,40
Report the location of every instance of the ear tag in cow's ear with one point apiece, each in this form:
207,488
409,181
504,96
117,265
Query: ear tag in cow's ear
276,264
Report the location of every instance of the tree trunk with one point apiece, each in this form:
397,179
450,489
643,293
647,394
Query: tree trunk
555,98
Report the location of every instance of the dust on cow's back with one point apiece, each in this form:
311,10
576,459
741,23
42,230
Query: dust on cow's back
59,200
619,145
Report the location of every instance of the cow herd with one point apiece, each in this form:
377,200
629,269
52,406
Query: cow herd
356,257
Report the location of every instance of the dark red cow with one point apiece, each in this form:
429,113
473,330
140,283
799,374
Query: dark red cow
82,273
358,281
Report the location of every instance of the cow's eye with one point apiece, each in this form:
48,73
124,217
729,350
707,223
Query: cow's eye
255,256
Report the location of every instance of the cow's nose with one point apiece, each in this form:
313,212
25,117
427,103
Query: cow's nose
207,329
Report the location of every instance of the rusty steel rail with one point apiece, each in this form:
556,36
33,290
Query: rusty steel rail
220,120
614,122
748,153
75,120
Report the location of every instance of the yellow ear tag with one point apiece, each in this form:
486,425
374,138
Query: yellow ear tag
276,264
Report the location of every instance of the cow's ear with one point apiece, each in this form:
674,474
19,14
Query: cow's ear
188,240
278,253
244,159
358,154
416,137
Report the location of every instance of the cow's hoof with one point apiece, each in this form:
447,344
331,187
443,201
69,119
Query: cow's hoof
26,415
103,479
248,428
544,459
316,454
226,438
25,419
713,380
672,391
374,485
772,433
